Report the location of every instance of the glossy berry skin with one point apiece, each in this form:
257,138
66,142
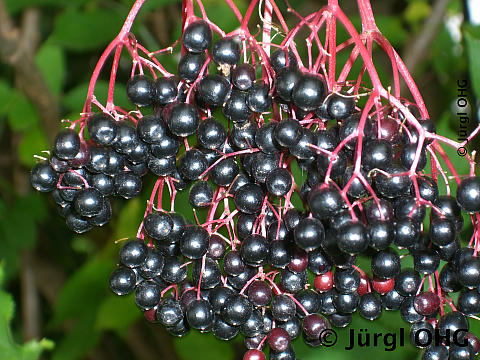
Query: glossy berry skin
233,263
324,282
258,97
469,302
421,334
353,238
278,182
173,272
383,286
392,300
211,134
324,202
66,144
217,297
165,90
386,264
309,92
194,242
201,194
395,185
190,65
211,275
133,253
283,307
224,172
346,303
254,354
88,202
102,128
147,295
279,256
408,155
340,106
453,321
237,310
286,81
141,90
243,76
408,312
381,234
162,166
128,185
224,331
199,314
288,132
226,51
193,164
213,90
151,129
299,261
426,261
236,108
309,233
278,339
123,281
378,154
469,272
249,198
428,188
259,293
182,119
346,281
468,194
426,303
197,36
158,225
43,178
442,231
370,306
407,282
282,58
254,250
169,312
293,282
434,352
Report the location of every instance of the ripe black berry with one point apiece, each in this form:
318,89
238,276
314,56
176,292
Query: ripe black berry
141,90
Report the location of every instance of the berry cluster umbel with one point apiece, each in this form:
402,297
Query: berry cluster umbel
245,269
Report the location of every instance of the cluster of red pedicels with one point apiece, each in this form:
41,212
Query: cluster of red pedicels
230,126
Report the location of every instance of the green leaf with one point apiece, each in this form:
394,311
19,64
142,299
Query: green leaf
22,115
6,96
32,143
117,313
392,28
79,31
9,350
51,61
194,344
75,98
90,284
15,6
472,40
81,339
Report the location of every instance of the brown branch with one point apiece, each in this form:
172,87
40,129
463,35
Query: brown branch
418,50
18,50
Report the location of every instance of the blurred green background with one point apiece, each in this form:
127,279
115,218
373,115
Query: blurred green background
54,296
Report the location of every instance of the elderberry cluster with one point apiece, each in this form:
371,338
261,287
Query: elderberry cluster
280,272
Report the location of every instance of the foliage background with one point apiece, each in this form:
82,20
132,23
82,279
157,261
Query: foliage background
54,296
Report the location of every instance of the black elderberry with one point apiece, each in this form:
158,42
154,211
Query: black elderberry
158,225
213,90
133,253
224,172
197,36
102,128
468,194
169,312
258,98
226,51
194,242
165,90
288,132
43,177
162,166
237,310
147,295
190,65
141,90
309,92
199,314
182,119
201,194
211,275
282,58
193,164
236,108
340,106
211,134
123,281
128,185
66,144
249,198
286,81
